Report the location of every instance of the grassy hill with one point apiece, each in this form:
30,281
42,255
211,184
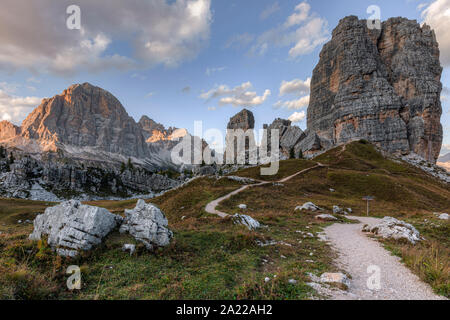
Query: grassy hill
210,258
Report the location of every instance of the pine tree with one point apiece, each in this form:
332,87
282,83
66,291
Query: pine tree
292,154
11,158
122,167
300,154
2,152
130,164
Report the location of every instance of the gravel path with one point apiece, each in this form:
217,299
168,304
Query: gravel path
357,252
211,207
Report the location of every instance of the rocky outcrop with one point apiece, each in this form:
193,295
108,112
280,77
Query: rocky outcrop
289,136
8,130
240,139
391,228
379,85
246,221
156,132
48,180
72,227
148,224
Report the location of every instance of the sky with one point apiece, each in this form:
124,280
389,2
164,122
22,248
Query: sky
180,61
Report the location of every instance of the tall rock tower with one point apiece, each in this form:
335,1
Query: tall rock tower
382,85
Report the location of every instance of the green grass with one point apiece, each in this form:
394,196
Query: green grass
287,168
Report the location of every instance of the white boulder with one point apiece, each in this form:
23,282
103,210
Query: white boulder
129,247
444,216
247,221
242,206
391,228
71,227
308,206
326,217
147,224
337,210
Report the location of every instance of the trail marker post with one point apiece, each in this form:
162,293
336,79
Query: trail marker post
368,199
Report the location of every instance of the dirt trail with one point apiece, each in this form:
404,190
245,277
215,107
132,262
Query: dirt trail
357,253
211,207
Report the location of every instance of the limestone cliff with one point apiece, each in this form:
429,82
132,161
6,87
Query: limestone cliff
380,85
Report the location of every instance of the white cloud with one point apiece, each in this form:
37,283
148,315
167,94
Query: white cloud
270,10
237,96
210,71
296,86
445,149
297,117
240,41
14,108
437,15
157,32
303,31
293,104
300,15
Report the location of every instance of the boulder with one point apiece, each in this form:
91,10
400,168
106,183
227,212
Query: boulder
308,206
326,217
337,210
129,247
147,224
391,228
242,206
247,221
444,216
72,227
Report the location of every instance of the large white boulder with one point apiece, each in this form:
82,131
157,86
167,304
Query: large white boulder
391,228
147,224
71,227
308,206
326,217
247,221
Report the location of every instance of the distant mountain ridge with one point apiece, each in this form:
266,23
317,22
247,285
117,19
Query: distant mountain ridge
87,122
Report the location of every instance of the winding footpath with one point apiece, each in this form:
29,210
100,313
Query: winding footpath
211,207
360,257
357,256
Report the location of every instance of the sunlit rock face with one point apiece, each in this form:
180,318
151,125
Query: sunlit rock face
86,116
380,85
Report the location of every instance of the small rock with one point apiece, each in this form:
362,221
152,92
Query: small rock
292,281
444,216
308,206
335,278
242,206
332,190
349,210
326,217
337,210
19,221
183,217
129,247
266,279
247,221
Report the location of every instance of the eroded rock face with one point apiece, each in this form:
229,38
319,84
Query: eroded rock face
247,221
289,136
240,139
379,85
8,130
148,224
72,227
86,116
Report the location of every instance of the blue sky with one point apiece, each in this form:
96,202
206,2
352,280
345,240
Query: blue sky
234,47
